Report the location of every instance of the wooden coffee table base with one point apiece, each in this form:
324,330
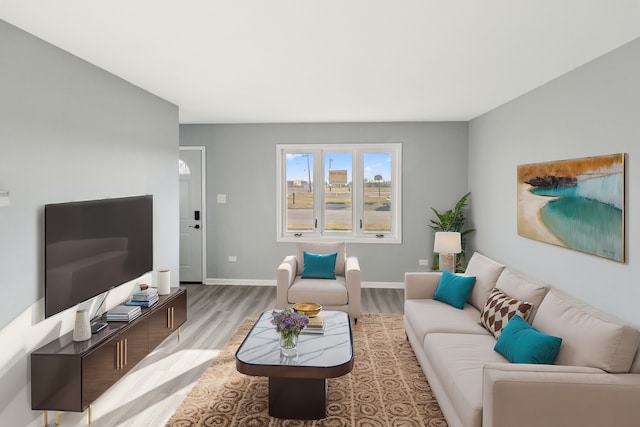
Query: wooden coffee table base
298,398
298,385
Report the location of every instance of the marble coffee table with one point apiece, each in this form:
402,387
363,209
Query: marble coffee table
298,384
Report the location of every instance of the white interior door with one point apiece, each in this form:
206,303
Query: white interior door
192,224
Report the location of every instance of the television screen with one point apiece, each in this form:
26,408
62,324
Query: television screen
93,246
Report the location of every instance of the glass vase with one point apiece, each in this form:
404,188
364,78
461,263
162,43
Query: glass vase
289,344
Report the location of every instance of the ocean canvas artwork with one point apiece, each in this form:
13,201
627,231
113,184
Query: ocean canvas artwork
577,204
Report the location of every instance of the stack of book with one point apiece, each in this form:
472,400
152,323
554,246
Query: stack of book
123,313
315,326
144,298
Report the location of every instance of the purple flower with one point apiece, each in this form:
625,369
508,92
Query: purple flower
288,322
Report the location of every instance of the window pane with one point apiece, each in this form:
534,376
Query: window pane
338,198
299,173
183,168
377,192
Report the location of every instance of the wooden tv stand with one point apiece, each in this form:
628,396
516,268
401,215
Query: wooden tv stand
69,376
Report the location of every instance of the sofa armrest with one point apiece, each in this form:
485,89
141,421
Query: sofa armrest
284,279
551,395
421,285
353,281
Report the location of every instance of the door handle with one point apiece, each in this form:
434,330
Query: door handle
195,226
118,354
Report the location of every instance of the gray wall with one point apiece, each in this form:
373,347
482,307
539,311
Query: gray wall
593,110
241,163
68,131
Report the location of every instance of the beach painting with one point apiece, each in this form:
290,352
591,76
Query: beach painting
577,204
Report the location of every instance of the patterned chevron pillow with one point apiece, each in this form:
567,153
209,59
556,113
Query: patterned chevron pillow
499,308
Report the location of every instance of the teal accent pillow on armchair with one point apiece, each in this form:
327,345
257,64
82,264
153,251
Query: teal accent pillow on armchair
454,289
319,266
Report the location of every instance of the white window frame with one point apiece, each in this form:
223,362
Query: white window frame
356,235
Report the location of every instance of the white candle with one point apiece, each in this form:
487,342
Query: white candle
164,282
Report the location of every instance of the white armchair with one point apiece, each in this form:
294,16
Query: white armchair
342,294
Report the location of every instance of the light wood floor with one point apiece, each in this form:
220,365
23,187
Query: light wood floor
149,394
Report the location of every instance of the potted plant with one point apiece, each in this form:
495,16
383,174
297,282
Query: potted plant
453,220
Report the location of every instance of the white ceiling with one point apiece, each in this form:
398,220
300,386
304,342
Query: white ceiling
285,61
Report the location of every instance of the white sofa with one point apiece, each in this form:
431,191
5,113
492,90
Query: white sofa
593,382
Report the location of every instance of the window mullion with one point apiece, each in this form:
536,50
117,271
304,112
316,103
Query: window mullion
357,189
318,191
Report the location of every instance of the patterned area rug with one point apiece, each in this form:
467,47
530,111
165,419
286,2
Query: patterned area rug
385,388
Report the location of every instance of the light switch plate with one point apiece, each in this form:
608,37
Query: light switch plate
222,198
4,198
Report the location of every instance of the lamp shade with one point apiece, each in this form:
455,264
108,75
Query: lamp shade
447,242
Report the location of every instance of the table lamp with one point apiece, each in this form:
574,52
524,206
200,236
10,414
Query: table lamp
447,244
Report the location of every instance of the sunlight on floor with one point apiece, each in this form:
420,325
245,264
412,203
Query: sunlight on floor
169,378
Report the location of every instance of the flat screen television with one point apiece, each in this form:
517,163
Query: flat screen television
93,246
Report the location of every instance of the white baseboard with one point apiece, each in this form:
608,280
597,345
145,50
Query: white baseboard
240,282
258,282
383,285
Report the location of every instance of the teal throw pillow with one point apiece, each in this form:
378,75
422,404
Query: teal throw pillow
454,289
522,343
319,266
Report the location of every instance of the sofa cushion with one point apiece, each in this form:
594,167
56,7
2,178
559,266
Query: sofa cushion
523,288
430,316
454,289
590,337
458,360
319,266
323,292
486,272
522,343
499,308
322,248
